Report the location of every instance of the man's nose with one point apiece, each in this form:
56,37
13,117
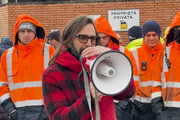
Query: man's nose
26,33
89,42
151,37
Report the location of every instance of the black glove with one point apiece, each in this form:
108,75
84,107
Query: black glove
9,108
157,105
13,115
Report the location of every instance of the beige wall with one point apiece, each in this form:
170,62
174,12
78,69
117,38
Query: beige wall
55,16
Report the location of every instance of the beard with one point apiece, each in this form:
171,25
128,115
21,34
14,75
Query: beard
75,53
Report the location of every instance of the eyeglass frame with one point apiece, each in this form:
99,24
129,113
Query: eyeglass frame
89,37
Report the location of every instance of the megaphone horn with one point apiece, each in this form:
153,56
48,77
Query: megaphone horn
111,72
105,69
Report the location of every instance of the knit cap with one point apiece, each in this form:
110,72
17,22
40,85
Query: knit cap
28,25
54,35
134,32
151,26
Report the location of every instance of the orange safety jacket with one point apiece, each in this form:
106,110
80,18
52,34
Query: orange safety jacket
134,65
171,76
22,67
148,64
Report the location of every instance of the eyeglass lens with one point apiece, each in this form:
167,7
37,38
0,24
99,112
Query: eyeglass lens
85,38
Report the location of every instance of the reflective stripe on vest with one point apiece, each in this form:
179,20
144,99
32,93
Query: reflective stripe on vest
135,54
165,67
122,49
142,99
156,94
25,84
4,97
150,83
173,84
28,103
9,67
136,78
172,104
46,55
146,99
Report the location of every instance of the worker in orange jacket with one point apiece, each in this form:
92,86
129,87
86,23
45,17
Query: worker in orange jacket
21,70
170,74
148,102
108,38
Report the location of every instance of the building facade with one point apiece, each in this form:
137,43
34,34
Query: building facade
55,14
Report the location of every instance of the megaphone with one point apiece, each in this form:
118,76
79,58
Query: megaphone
111,72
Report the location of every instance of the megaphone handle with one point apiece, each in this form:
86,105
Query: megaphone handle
97,107
87,91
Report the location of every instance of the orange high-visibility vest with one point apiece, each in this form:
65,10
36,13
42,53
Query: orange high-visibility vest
171,76
148,64
24,88
132,59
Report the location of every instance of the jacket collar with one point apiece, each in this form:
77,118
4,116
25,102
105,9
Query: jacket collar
30,46
67,60
175,45
157,47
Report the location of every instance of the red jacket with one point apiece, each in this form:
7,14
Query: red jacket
65,99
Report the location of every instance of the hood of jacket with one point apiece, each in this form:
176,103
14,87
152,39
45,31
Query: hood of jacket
170,35
40,31
102,25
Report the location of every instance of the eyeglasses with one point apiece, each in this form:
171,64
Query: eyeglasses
84,39
50,39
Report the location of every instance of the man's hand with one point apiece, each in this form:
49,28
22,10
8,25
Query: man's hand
13,115
94,51
92,91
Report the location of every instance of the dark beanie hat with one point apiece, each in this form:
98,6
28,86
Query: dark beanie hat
151,26
54,35
134,32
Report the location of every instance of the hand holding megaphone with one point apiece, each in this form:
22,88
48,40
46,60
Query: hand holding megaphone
93,92
110,72
94,51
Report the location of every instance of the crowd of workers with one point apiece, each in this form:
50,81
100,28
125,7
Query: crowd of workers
42,78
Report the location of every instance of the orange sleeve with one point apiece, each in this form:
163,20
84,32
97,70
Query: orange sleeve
135,70
51,51
3,75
